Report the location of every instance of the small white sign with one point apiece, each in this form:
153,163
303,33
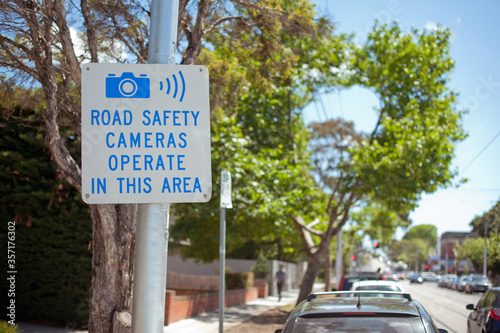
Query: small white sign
145,133
225,190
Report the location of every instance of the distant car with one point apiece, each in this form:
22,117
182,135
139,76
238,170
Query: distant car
416,278
462,282
381,285
454,283
485,317
444,280
326,312
477,283
430,276
347,280
450,279
390,276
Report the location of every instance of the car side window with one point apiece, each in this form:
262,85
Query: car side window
485,301
480,304
489,299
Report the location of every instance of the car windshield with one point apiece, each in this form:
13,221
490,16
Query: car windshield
360,324
480,279
379,288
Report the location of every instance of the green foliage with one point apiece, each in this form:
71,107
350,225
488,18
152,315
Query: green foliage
378,222
53,227
261,269
262,78
425,232
409,251
239,280
492,220
411,147
7,328
473,250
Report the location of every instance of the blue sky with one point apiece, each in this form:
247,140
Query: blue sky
475,46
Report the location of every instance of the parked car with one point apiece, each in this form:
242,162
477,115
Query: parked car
477,283
462,282
390,276
381,285
347,280
485,317
416,278
430,276
326,312
454,283
444,280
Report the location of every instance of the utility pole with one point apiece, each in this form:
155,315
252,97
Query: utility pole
485,272
150,273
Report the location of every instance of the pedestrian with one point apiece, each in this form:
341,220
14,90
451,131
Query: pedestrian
280,281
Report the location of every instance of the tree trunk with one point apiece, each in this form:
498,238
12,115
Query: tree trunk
328,268
112,267
313,264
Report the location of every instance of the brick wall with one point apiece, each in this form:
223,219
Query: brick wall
262,287
178,307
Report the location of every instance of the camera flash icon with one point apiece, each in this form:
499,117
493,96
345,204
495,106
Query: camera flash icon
127,86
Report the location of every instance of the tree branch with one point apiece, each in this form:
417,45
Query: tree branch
248,5
196,35
91,35
59,12
222,20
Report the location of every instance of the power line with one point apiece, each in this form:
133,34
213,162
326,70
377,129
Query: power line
317,110
323,106
340,104
482,150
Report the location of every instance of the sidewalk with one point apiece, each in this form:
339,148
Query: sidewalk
207,322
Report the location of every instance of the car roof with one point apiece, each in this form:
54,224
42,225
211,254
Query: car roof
320,309
382,305
376,283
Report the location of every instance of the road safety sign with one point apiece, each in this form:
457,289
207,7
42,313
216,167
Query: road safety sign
145,133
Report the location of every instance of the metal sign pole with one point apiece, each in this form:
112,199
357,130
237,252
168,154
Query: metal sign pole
150,273
222,266
225,202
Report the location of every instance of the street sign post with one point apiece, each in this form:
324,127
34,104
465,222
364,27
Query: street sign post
225,202
145,133
146,141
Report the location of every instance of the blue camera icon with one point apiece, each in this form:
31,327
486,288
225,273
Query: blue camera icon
127,86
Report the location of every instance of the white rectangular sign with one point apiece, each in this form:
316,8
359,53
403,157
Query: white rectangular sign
225,190
145,133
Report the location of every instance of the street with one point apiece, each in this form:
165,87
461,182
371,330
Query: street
446,306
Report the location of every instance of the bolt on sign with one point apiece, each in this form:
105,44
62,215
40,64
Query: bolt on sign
145,133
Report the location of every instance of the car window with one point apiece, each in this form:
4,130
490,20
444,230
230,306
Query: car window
482,301
348,283
497,299
360,324
429,324
489,298
480,279
379,288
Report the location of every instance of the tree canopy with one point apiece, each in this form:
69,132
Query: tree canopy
268,60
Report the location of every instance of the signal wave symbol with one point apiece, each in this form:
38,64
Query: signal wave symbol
175,86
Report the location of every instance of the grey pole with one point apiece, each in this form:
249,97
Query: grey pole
163,34
148,305
485,256
150,273
339,262
222,266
